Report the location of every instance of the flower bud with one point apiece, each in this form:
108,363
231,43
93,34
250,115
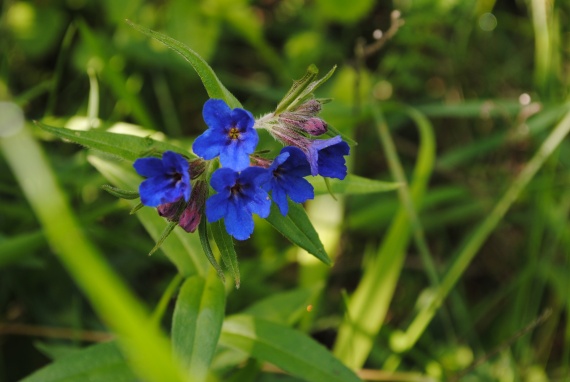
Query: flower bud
315,126
170,211
192,214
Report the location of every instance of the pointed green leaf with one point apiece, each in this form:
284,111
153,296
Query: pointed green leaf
205,242
97,363
167,231
120,193
297,227
124,146
352,185
197,323
289,349
226,246
213,85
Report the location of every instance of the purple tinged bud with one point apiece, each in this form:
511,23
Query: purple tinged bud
192,214
315,126
187,214
170,211
310,108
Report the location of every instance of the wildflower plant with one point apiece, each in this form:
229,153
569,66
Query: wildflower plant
226,179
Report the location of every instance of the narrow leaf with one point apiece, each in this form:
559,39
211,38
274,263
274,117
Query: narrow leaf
297,227
197,323
226,246
213,85
120,193
289,349
136,208
205,242
97,363
167,231
124,146
352,185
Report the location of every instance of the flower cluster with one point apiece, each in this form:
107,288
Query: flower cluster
245,183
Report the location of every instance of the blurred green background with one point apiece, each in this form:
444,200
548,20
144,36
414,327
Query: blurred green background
491,77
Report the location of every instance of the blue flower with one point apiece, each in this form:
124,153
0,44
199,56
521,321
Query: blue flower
326,157
168,179
287,172
230,135
239,196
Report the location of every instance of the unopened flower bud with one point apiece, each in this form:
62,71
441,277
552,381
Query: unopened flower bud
192,214
310,108
170,211
315,126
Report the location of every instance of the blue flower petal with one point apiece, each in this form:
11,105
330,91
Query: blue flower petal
297,163
238,221
331,160
216,207
234,156
300,190
242,119
223,178
149,167
209,143
280,198
155,191
216,114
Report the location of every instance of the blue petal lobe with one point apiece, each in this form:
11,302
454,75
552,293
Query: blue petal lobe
216,207
216,114
149,167
238,221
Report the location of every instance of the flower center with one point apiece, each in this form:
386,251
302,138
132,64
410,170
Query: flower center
236,189
233,133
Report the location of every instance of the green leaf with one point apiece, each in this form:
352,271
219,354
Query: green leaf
287,307
352,185
120,193
297,227
167,231
97,363
226,246
127,147
213,85
289,349
197,323
205,242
